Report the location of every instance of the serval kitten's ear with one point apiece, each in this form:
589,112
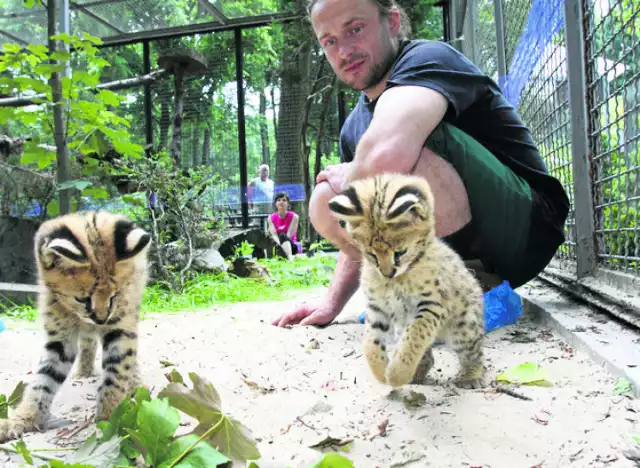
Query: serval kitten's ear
129,240
347,206
61,247
408,201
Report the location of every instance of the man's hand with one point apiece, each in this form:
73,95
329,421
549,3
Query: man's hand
307,315
336,175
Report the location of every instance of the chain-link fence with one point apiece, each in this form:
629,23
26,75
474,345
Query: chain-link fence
575,83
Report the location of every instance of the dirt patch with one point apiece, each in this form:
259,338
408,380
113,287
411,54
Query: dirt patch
312,383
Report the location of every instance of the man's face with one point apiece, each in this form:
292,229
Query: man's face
357,42
264,173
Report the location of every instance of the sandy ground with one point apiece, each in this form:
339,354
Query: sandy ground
326,390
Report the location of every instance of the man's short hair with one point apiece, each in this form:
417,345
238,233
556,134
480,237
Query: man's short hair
383,7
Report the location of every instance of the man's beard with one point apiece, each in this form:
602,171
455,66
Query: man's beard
377,72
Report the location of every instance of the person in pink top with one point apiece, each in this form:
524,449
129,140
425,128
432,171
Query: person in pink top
283,225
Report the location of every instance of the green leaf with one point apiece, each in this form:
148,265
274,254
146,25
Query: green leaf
164,363
97,193
109,98
232,438
61,55
61,464
53,208
75,184
21,447
334,460
16,395
98,455
38,49
8,48
202,402
93,39
49,68
175,377
29,3
4,407
202,455
528,373
38,155
157,423
623,387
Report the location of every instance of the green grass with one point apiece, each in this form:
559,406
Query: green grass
208,290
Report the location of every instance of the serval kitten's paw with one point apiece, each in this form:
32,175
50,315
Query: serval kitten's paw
471,378
11,429
108,399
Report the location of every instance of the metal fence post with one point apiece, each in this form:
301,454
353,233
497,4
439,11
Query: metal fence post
502,60
242,139
471,21
583,199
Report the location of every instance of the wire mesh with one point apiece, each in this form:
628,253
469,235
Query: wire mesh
544,108
613,39
516,13
485,47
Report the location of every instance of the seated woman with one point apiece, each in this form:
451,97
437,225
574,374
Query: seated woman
283,225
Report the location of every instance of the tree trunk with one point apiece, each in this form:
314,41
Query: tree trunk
206,147
274,113
195,137
176,136
59,124
264,131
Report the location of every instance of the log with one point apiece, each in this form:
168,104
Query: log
20,101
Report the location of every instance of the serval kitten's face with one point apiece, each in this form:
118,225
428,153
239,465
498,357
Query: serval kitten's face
85,260
389,218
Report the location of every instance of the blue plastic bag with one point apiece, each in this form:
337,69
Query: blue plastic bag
2,326
502,306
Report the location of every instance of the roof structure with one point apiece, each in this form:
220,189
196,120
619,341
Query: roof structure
127,21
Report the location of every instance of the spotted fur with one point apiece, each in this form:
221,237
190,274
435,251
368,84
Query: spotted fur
92,270
416,286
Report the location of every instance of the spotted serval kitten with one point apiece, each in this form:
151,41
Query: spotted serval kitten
92,270
416,286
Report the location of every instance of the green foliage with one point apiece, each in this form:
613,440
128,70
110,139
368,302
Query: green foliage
92,125
145,426
179,221
210,289
11,401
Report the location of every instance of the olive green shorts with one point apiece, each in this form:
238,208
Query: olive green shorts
501,203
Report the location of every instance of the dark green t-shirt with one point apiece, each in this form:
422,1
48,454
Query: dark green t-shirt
476,106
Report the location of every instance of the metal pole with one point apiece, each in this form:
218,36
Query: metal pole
342,109
471,12
242,142
502,61
583,199
148,122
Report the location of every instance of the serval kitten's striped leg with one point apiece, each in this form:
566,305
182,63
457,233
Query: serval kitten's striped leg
54,367
87,344
467,339
119,355
375,341
417,338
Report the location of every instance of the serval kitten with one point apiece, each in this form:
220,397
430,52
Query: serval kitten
92,270
416,286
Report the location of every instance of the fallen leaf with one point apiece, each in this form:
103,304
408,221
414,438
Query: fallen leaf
334,460
202,455
623,387
414,399
330,442
166,364
261,388
528,373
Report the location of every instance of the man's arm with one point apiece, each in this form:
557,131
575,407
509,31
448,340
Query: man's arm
403,119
